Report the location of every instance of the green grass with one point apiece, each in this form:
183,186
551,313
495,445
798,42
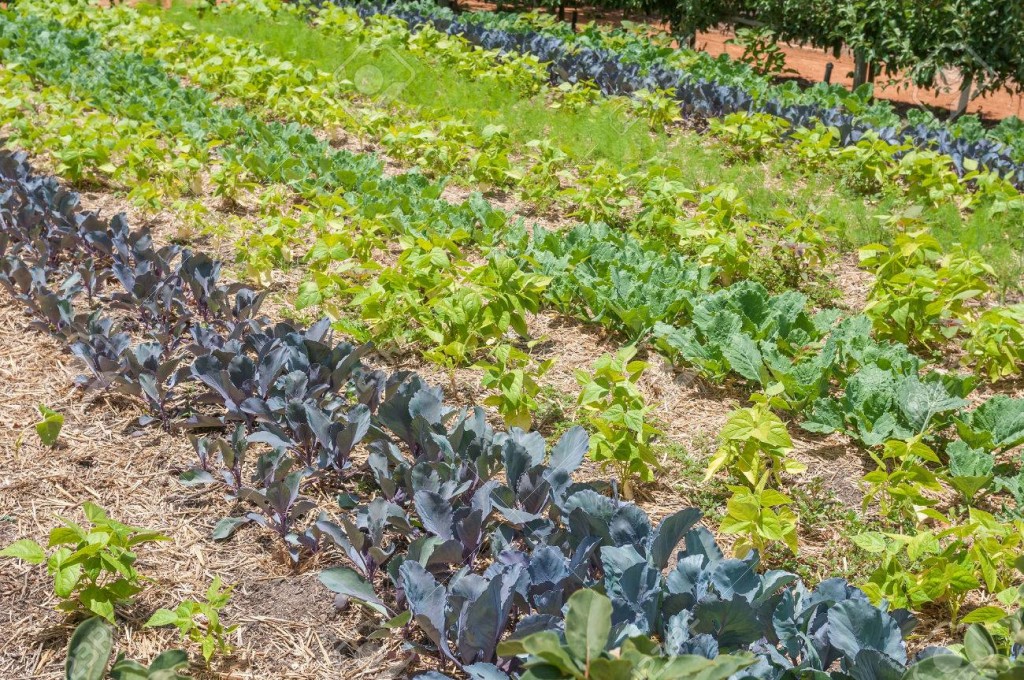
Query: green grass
607,132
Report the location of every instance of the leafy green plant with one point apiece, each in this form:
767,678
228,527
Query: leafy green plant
994,347
902,483
879,404
49,427
995,425
577,96
867,166
582,651
750,135
89,651
970,469
719,234
945,565
755,445
615,407
815,146
916,571
771,341
513,376
801,249
759,517
921,296
929,177
658,107
761,50
97,571
982,655
599,194
200,622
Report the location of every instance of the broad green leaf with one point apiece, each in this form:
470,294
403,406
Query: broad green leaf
978,643
89,650
25,549
162,617
988,614
588,624
49,427
872,541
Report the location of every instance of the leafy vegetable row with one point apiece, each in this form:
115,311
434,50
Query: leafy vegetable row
474,533
545,175
612,243
698,96
618,280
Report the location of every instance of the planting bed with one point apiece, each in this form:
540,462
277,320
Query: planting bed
306,378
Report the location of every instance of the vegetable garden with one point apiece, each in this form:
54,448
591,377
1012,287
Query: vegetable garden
383,340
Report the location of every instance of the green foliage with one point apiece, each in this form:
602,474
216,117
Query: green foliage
988,649
759,517
945,565
615,408
801,249
761,51
719,235
434,298
599,195
89,650
922,40
995,425
750,135
921,295
970,469
49,427
771,341
887,400
514,380
581,652
200,622
658,107
867,166
928,177
755,447
901,483
97,571
994,347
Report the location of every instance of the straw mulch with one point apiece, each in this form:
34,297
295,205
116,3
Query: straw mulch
287,626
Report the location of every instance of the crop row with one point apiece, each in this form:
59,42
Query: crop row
615,75
542,174
636,43
638,289
466,534
339,166
616,289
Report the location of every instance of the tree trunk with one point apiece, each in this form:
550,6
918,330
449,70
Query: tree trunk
860,69
965,97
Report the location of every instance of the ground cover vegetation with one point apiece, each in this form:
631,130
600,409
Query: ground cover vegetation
586,131
917,48
473,545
